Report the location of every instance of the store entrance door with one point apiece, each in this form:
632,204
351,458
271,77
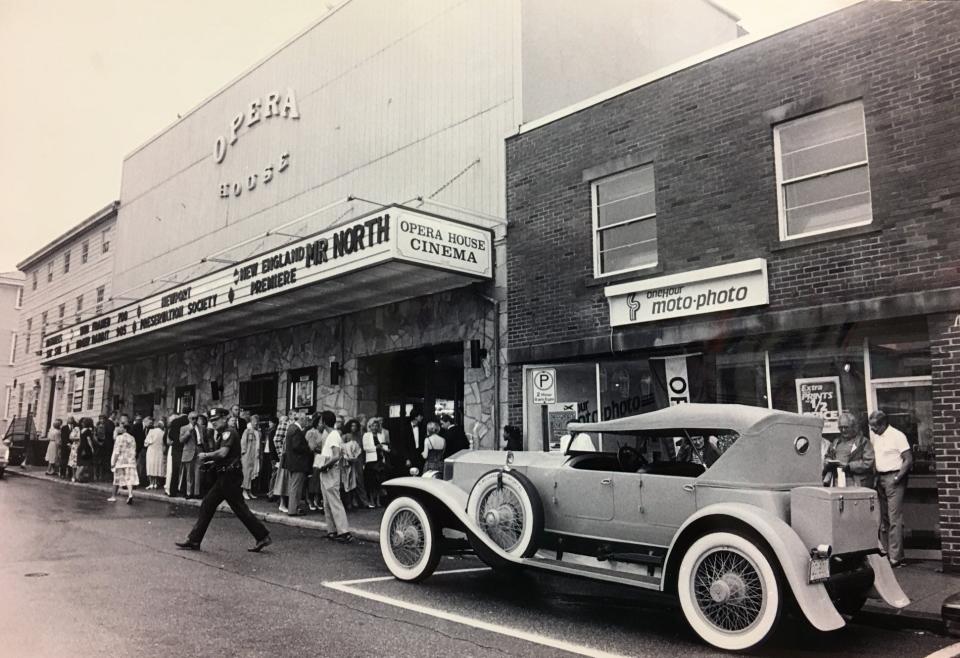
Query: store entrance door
430,378
259,396
908,404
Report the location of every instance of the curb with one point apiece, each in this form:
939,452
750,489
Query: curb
267,517
876,614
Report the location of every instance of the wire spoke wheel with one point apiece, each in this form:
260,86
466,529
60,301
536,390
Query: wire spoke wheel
501,515
409,541
729,591
506,510
407,538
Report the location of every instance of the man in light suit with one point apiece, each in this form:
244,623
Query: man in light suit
299,461
190,438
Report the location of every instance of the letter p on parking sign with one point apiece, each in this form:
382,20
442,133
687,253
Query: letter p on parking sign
544,385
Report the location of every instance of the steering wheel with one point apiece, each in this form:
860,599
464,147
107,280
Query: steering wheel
630,460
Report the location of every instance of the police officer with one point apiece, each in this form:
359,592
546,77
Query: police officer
226,462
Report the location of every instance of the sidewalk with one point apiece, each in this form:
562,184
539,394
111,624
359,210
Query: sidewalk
923,581
364,524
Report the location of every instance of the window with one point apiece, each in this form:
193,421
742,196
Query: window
13,347
66,261
43,322
91,387
624,221
34,279
79,306
62,311
49,271
101,291
19,297
823,179
20,401
106,240
9,399
84,251
26,339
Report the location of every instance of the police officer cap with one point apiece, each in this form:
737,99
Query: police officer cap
217,413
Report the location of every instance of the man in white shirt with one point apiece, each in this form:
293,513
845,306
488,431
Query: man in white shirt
330,481
893,462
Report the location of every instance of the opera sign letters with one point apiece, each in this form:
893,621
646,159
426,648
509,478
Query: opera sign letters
273,106
391,234
712,289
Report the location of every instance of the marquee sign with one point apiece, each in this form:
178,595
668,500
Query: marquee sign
712,289
394,233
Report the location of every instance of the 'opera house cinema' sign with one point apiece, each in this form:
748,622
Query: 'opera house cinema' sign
712,289
394,234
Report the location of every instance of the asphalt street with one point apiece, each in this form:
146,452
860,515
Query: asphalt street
80,576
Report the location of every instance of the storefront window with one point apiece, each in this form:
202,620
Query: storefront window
742,377
557,395
820,373
902,351
626,388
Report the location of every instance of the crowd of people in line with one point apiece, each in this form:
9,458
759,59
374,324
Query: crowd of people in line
298,461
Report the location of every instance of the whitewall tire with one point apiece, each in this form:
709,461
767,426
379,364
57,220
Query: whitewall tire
729,591
409,540
506,507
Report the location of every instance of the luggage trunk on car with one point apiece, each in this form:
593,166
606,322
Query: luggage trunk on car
846,518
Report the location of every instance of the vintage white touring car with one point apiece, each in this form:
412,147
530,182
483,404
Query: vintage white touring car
721,505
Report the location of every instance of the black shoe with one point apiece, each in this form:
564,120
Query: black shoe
345,538
187,545
262,544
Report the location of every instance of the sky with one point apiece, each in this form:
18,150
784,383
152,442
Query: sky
87,82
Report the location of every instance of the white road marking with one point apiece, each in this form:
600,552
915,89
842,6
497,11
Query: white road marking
947,652
347,586
377,579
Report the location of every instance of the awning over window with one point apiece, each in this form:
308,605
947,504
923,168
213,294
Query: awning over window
390,255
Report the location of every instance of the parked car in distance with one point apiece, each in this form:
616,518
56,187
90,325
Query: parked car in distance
4,457
720,505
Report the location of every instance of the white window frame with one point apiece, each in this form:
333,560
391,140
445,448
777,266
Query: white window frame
781,183
9,400
597,273
105,241
84,252
19,298
91,388
13,348
26,338
66,261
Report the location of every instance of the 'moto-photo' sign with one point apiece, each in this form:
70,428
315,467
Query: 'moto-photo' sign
709,290
394,233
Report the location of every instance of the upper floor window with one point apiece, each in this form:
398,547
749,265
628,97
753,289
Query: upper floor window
43,322
19,297
106,240
823,179
49,271
62,311
66,261
26,338
79,306
84,251
34,279
13,347
101,291
624,221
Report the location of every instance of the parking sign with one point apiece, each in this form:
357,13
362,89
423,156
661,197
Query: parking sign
544,386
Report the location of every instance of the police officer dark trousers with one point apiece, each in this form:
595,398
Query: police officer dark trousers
226,460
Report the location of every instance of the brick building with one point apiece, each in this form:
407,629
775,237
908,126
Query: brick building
67,281
774,223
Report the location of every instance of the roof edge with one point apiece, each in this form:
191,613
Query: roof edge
94,220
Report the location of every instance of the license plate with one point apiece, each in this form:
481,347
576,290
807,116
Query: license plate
819,569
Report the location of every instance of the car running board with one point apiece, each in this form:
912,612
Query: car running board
597,573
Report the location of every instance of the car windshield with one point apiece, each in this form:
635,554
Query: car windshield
661,448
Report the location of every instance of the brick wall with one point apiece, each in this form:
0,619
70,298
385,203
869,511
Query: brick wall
945,354
709,132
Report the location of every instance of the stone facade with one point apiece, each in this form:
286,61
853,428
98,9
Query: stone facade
449,317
